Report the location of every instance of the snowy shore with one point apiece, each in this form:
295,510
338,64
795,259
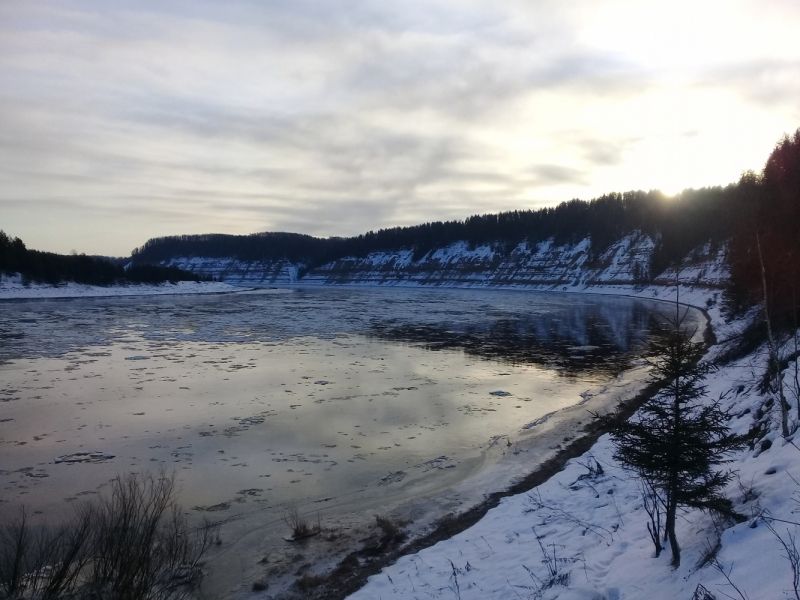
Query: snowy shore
595,524
12,288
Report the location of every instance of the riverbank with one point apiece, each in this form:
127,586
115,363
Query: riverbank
13,288
580,533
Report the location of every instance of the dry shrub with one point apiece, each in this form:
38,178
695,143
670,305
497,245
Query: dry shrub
391,530
131,545
348,565
298,524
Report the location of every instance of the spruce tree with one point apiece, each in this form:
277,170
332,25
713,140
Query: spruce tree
679,437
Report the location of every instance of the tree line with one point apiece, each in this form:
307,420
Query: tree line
765,242
680,224
52,268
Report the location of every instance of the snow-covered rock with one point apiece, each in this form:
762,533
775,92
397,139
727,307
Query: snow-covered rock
238,272
541,266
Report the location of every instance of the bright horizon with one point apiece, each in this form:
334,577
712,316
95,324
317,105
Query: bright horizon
122,123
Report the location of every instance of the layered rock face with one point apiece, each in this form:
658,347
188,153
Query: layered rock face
543,264
540,266
237,272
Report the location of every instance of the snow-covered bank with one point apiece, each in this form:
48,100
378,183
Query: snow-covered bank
12,288
592,525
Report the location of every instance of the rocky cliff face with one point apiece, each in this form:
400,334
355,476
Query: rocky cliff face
237,272
540,266
543,264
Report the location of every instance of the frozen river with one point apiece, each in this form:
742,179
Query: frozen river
317,397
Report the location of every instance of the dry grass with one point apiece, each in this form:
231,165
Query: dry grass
391,530
309,581
300,527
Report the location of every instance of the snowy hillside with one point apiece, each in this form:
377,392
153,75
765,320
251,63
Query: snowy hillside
544,264
541,266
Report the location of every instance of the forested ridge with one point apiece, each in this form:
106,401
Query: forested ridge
683,222
48,267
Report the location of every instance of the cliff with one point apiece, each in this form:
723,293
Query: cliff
539,266
239,272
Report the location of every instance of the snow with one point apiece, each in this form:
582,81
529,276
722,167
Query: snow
595,524
460,251
11,287
398,259
544,266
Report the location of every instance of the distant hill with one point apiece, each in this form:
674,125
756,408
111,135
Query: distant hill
679,224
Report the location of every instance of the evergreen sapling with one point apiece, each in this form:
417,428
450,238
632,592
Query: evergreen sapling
678,438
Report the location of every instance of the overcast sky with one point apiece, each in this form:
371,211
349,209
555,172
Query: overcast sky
121,121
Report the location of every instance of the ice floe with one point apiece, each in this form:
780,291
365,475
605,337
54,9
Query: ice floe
84,456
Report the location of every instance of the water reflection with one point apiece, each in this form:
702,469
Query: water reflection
527,327
301,393
598,337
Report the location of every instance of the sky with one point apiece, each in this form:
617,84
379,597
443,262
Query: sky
122,121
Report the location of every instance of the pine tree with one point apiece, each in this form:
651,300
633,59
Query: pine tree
679,437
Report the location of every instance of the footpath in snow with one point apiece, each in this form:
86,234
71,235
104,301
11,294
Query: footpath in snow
586,528
12,288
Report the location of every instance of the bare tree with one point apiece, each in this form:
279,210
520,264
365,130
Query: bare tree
792,555
774,364
653,504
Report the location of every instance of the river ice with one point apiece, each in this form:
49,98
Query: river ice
330,400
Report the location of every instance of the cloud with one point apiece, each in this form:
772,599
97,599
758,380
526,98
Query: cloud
336,118
557,174
768,83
